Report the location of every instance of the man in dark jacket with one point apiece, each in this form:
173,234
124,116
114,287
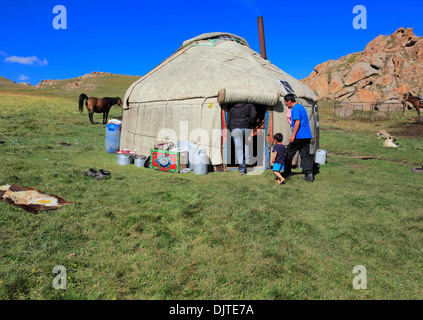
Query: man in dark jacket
241,117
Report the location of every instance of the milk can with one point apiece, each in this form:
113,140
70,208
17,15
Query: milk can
200,161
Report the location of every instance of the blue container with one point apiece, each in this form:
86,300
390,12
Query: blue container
112,137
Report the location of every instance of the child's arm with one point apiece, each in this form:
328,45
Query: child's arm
275,153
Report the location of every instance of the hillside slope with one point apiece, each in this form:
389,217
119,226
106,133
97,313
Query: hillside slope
9,84
388,67
99,84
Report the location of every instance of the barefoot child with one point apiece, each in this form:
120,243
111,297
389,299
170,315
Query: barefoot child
279,151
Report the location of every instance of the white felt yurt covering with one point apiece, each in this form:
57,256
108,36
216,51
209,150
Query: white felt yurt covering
182,98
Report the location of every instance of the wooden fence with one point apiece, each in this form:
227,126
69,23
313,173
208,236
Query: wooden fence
369,111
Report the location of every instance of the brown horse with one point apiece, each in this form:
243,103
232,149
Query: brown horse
415,101
98,105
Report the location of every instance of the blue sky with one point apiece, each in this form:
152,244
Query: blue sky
133,36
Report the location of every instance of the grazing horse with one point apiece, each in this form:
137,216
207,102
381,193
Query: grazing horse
415,101
98,105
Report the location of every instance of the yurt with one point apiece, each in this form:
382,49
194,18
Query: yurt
185,98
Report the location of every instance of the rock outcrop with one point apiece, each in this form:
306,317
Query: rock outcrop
388,66
76,82
46,83
95,74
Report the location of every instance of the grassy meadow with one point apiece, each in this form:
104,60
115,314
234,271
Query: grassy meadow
145,234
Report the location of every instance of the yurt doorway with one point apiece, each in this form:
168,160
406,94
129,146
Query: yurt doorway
260,143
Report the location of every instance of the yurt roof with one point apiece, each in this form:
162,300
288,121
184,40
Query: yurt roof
214,35
208,63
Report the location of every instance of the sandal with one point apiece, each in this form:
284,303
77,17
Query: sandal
91,172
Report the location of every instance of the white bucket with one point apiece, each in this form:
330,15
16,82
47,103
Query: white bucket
139,161
200,162
321,156
124,159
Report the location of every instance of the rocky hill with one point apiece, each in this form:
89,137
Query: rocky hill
74,83
388,66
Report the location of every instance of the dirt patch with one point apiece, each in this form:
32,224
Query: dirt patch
356,166
329,129
371,157
410,129
349,155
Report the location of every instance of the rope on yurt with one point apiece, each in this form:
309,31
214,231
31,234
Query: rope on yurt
174,87
191,61
156,69
177,84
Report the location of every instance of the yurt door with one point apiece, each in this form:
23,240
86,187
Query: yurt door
268,120
260,153
262,142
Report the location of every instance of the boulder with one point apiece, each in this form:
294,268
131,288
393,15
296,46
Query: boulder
377,60
319,83
360,71
44,83
365,83
345,93
322,86
72,85
397,61
376,45
385,80
416,51
404,37
365,95
336,84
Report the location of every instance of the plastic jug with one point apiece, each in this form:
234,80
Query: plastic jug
112,137
200,161
321,156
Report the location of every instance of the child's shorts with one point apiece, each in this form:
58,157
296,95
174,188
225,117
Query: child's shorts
278,167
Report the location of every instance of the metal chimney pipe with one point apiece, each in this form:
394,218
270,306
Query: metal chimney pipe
261,36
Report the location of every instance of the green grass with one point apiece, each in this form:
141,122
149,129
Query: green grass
145,234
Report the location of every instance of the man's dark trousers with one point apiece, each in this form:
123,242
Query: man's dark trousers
306,159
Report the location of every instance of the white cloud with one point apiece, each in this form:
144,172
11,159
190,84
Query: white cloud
23,77
27,60
2,53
